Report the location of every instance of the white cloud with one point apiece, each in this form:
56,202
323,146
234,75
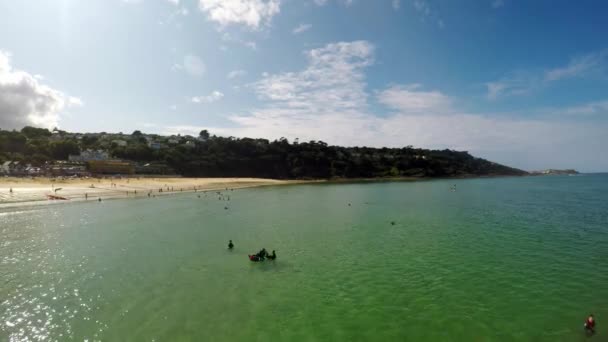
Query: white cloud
236,74
333,78
396,4
25,101
320,2
424,8
497,3
515,83
301,28
213,97
192,64
411,100
580,66
587,109
521,83
251,13
174,2
327,100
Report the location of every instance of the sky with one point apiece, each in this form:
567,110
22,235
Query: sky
523,83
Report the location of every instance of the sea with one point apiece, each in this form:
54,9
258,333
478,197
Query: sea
486,259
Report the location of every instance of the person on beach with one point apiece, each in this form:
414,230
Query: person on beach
230,245
590,325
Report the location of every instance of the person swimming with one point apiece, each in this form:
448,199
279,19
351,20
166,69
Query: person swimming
590,325
230,245
262,254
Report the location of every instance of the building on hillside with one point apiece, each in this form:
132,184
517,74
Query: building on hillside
112,167
89,155
67,168
173,141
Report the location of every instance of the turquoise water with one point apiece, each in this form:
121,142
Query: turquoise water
503,259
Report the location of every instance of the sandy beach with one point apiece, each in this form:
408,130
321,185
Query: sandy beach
20,191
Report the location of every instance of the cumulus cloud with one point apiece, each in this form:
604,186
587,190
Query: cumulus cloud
251,13
213,97
301,28
25,101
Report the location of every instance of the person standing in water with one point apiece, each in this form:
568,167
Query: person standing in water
230,244
590,325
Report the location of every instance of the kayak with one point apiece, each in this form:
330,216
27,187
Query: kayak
54,197
255,258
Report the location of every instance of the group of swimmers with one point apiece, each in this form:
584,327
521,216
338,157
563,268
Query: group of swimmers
263,254
259,256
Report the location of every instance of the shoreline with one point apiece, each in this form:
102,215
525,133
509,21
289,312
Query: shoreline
18,192
35,191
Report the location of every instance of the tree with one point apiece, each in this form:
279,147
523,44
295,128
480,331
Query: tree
62,149
33,132
204,134
136,133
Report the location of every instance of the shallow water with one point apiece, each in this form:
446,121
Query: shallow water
500,259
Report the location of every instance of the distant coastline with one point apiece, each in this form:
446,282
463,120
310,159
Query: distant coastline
40,152
554,172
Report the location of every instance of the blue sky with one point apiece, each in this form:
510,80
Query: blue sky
523,83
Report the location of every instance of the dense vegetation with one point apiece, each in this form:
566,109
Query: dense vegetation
212,156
